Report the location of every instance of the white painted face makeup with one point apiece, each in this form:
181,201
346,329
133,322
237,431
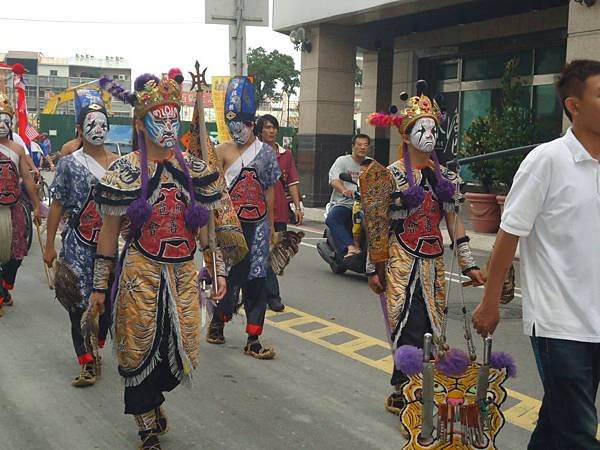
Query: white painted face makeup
240,132
95,128
423,135
5,124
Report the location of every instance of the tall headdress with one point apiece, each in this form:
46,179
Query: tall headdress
418,107
150,92
86,101
5,105
240,100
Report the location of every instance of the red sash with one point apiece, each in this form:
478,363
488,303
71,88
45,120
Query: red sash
164,237
248,197
420,233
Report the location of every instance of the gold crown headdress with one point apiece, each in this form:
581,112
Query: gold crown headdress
417,107
5,105
150,92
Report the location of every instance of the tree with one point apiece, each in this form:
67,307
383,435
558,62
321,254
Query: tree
268,69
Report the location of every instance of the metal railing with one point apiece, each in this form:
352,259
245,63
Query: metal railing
492,155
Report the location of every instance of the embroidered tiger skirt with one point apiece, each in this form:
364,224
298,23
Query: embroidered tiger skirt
150,293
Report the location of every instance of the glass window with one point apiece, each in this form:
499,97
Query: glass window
447,71
549,60
491,67
547,112
476,104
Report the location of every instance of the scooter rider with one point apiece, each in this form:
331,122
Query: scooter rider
339,217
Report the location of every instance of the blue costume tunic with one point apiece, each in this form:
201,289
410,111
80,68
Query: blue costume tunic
73,187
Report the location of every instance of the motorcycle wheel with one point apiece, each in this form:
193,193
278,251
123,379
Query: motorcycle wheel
337,269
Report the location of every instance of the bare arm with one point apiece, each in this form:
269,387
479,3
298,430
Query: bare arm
52,222
295,194
338,185
487,316
455,232
501,259
108,239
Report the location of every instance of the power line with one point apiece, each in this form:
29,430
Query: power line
101,22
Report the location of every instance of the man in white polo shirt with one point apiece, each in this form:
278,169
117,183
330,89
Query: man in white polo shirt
553,210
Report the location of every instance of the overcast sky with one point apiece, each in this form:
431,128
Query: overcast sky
171,40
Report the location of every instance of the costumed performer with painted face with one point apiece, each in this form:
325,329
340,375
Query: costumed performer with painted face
421,193
72,193
164,197
13,168
251,170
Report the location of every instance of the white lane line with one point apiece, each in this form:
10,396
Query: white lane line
306,244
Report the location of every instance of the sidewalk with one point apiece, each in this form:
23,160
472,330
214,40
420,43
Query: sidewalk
479,241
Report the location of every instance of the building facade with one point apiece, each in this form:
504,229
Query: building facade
459,46
48,76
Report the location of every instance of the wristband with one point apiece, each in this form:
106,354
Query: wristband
464,255
102,267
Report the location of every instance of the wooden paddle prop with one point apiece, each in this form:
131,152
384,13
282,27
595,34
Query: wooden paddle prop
49,271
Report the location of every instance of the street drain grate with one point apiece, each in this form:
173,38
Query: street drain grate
283,317
339,338
311,326
374,352
507,312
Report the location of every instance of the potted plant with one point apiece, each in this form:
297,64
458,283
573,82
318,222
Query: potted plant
507,126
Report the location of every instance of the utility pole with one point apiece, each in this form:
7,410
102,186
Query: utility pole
237,14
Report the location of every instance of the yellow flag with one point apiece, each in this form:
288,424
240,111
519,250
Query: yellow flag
219,88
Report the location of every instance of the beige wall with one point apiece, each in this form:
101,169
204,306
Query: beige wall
327,82
583,41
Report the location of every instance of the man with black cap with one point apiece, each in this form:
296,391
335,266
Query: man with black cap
73,196
251,171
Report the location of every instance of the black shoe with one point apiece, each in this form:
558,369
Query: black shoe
215,334
255,349
149,441
276,305
394,403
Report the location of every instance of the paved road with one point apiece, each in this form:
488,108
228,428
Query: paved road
320,393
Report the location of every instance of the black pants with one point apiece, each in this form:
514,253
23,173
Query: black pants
77,337
417,325
253,292
568,417
149,393
272,284
9,273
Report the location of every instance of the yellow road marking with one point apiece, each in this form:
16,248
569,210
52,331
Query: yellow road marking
524,414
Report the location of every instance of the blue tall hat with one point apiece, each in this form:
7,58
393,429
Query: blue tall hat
86,101
239,100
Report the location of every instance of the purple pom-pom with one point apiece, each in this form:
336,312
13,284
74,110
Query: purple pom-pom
141,81
196,216
409,359
504,360
205,275
138,212
413,196
445,190
105,82
454,363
